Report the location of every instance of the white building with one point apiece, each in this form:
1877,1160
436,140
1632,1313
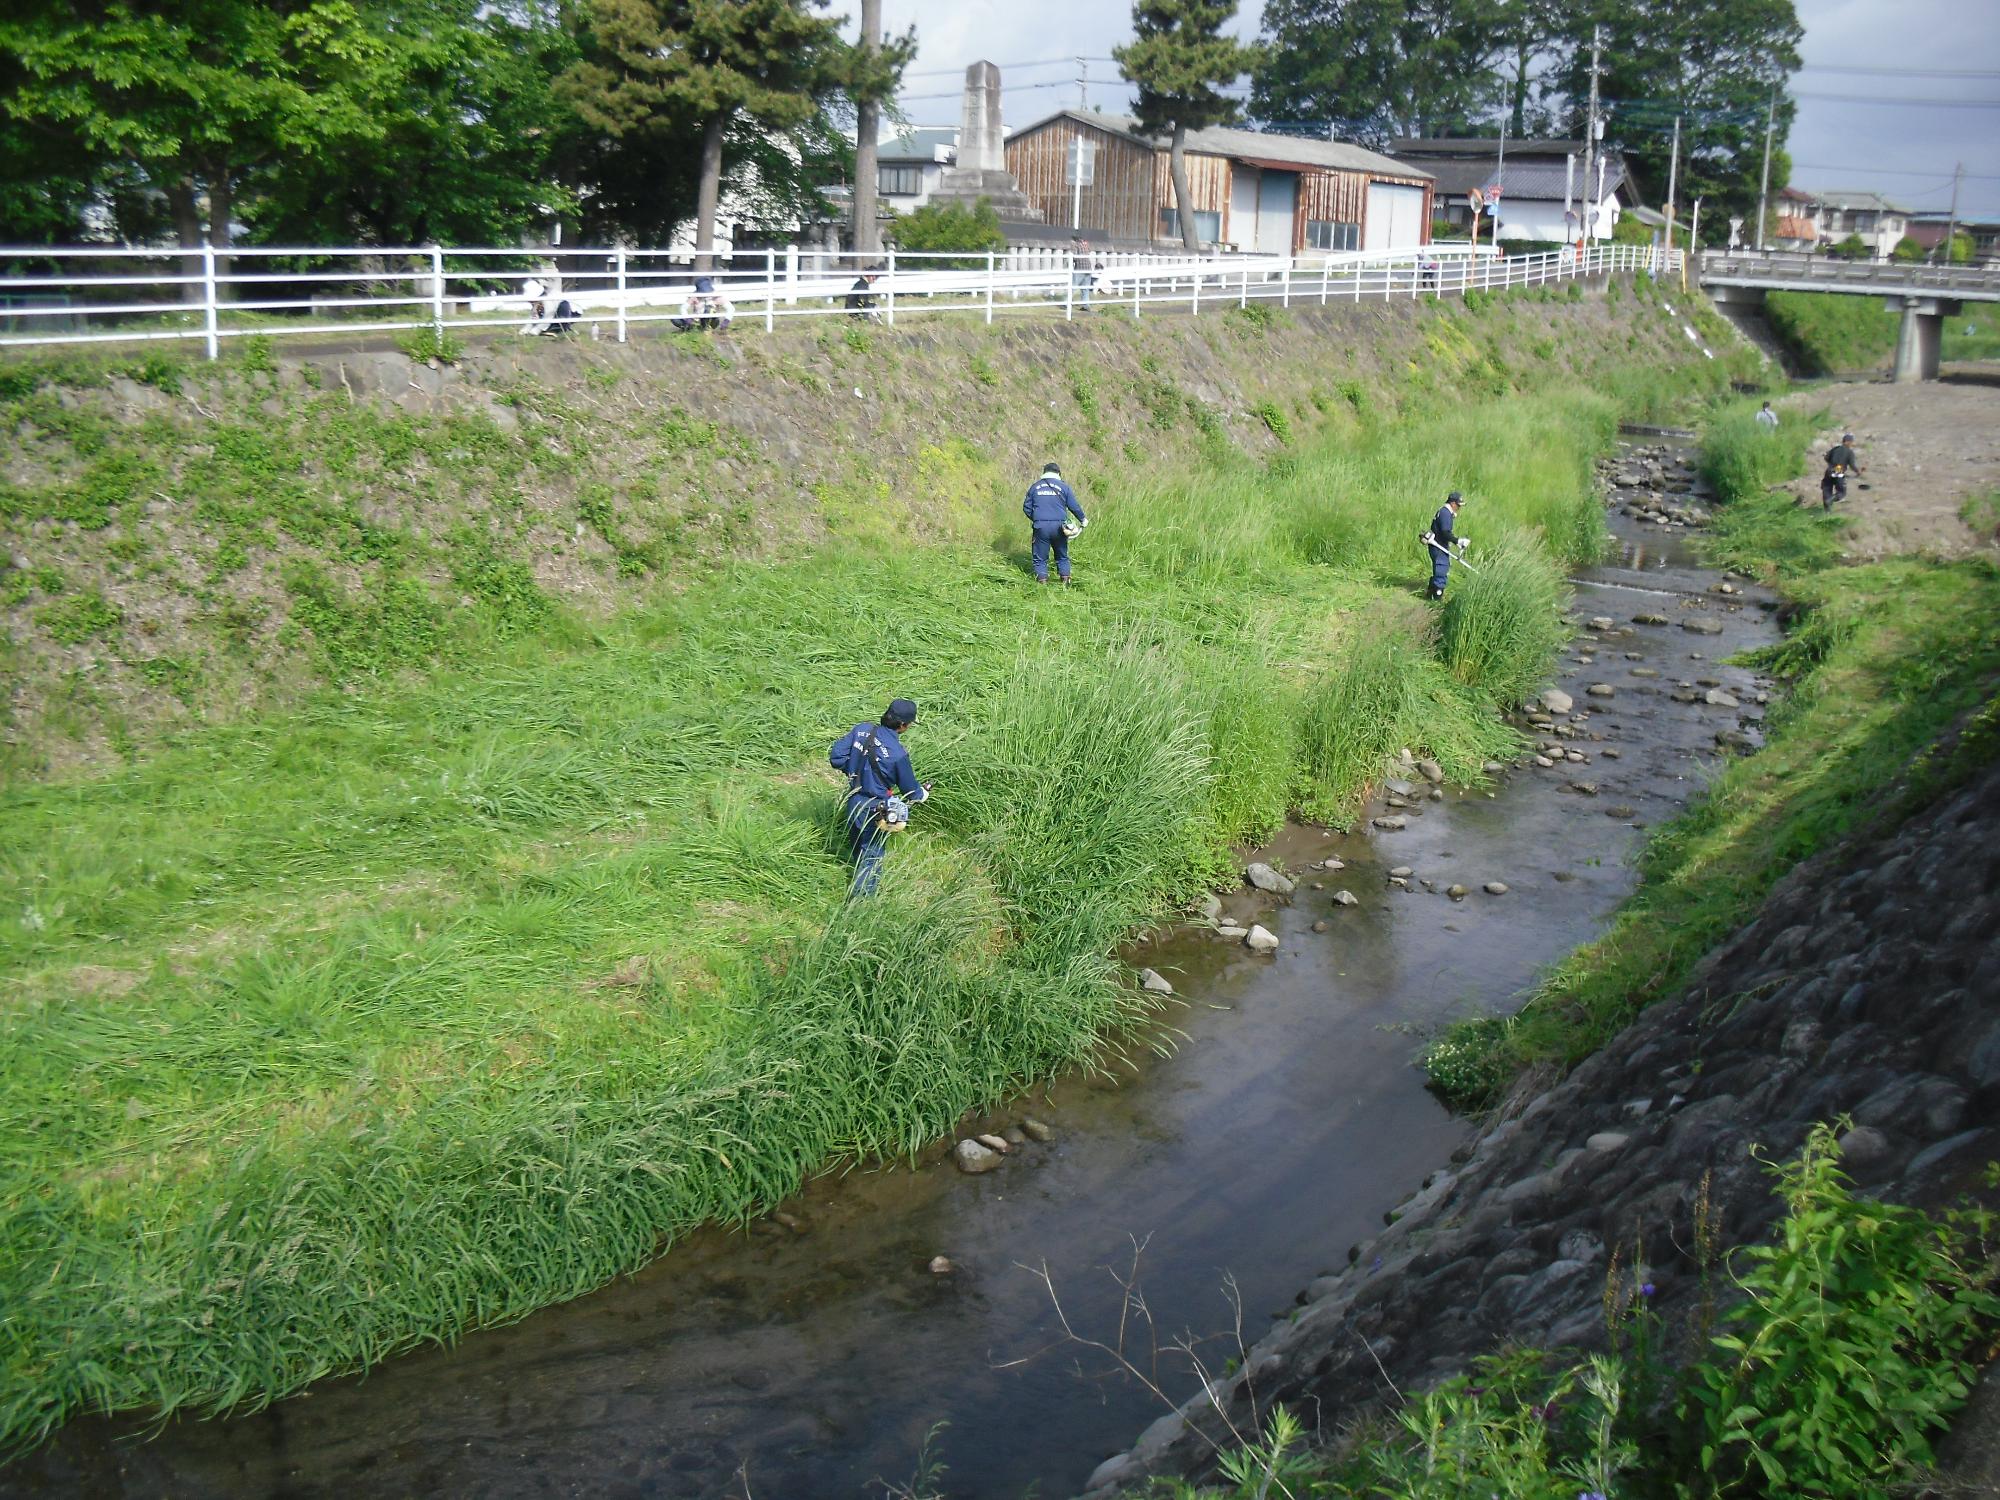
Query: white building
1537,179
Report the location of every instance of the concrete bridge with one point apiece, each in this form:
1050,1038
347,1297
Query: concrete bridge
1925,295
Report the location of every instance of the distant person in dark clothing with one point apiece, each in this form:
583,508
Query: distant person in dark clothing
1441,541
881,788
861,297
1049,506
1841,462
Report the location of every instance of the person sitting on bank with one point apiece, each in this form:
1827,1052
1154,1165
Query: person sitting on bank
1841,463
705,309
861,297
881,788
1049,505
1441,540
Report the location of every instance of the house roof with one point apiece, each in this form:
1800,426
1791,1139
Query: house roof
1855,198
1479,146
1286,152
1534,178
917,145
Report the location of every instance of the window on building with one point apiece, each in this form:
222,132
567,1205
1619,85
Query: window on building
1330,234
1864,223
899,181
1207,226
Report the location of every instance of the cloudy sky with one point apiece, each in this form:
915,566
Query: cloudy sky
1874,98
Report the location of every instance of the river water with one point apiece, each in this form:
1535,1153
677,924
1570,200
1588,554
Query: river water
1273,1125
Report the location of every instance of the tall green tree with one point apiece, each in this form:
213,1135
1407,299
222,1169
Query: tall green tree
658,70
193,94
1180,61
1718,67
1375,69
466,124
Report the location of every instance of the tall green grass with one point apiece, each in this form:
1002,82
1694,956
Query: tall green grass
434,1002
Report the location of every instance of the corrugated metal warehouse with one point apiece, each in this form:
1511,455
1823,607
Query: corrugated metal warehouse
1274,193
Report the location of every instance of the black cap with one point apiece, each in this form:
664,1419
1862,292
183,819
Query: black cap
1052,468
900,714
1847,437
1454,498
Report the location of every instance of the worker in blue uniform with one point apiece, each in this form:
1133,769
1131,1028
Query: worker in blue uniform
1049,505
1441,541
881,788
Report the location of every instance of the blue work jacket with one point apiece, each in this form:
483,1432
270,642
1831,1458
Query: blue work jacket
875,769
1441,526
1048,497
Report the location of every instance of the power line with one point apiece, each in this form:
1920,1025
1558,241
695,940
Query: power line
1904,100
1900,72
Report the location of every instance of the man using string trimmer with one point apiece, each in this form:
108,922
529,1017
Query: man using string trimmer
881,788
1444,544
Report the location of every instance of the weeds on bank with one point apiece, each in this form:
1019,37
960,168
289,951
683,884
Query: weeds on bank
1852,1339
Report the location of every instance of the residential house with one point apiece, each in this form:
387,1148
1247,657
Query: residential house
1538,181
909,164
1795,227
1273,194
1928,230
1833,216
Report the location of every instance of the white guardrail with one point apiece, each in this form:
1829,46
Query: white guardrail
212,295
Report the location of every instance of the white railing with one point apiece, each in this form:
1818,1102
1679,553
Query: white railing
1786,268
214,295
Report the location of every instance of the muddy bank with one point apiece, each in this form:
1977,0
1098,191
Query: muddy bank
811,1355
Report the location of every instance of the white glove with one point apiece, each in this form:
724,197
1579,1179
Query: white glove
1083,523
1461,544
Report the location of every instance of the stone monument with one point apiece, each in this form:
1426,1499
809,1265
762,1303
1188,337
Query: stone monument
981,168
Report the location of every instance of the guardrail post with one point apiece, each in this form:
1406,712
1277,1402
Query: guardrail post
437,299
1285,294
1325,269
1135,267
208,298
1243,296
770,289
992,270
791,275
891,279
1069,285
1194,300
618,261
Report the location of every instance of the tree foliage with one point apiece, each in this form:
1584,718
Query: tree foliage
951,226
1380,68
1179,61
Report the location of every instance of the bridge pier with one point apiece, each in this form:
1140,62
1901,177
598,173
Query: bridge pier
1918,340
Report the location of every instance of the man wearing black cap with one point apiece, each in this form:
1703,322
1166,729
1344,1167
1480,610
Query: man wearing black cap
881,788
1440,540
1841,461
1049,505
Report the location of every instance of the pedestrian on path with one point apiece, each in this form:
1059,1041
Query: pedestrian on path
1841,463
1049,506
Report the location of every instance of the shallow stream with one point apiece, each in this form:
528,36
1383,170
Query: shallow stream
810,1356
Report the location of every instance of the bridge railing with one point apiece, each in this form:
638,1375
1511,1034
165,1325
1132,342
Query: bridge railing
96,294
1792,268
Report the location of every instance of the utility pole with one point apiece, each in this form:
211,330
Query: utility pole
1590,129
1673,179
867,125
1951,223
1082,85
1764,187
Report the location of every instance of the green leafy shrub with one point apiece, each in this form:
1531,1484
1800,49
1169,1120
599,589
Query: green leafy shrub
951,227
1859,1335
1273,416
431,343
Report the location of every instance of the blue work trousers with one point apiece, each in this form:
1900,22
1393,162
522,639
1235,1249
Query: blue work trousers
1049,539
1440,569
867,841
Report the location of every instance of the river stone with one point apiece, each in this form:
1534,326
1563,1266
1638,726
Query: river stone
1431,771
1267,879
1035,1130
1402,872
1457,892
1260,940
1645,672
1576,757
941,1265
1863,1146
1496,887
1346,898
1230,930
1556,701
1619,811
1210,907
1397,787
1600,622
1150,980
1649,620
972,1157
1608,753
1601,690
1734,739
994,1142
1721,699
1395,823
1543,761
1321,925
1584,788
1608,1141
1702,625
1493,768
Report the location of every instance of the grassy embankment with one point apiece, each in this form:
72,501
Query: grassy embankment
452,993
1828,333
1883,659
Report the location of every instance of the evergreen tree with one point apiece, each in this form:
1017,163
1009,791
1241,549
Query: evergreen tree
1179,60
1374,69
658,70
